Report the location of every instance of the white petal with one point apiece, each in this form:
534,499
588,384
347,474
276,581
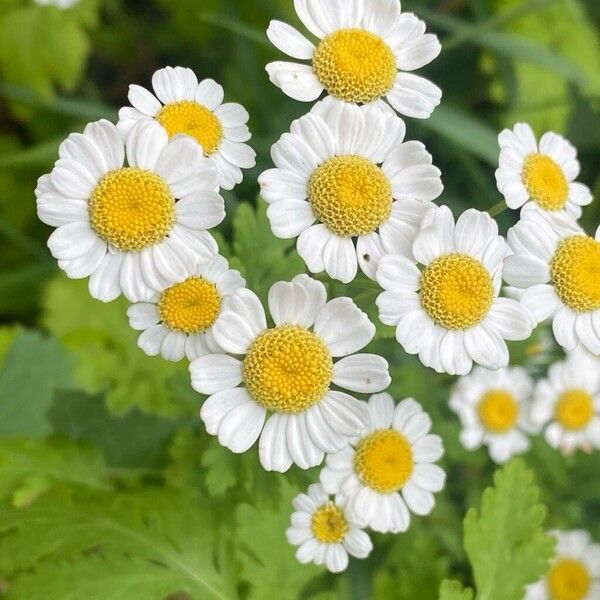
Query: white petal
132,281
289,40
419,500
104,284
358,543
215,372
296,302
300,445
173,346
416,53
414,96
202,210
210,94
179,159
311,246
71,241
563,326
336,558
151,339
397,273
145,143
428,449
143,100
232,114
346,415
142,315
429,477
436,237
363,373
174,84
382,411
295,80
511,320
486,347
272,446
72,179
84,150
369,250
278,184
289,218
339,259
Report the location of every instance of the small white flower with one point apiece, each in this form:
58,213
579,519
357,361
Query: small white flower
325,532
544,175
557,266
182,105
567,403
493,407
347,169
177,321
388,470
131,229
448,310
364,52
287,372
575,571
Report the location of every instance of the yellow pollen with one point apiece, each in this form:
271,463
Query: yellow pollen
350,195
355,65
329,524
384,461
575,271
192,119
287,369
568,579
191,306
456,291
498,411
132,209
574,409
545,182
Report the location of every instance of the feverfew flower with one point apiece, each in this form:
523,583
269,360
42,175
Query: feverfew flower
388,471
575,571
557,265
129,228
567,403
182,105
494,410
344,175
447,309
287,372
544,175
325,532
365,52
177,321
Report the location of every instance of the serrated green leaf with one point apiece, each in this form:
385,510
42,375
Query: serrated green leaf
505,540
453,590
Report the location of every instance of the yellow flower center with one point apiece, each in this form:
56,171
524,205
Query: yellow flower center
575,271
498,411
192,119
329,524
132,209
288,369
191,306
456,291
574,409
355,65
384,461
568,580
350,195
545,182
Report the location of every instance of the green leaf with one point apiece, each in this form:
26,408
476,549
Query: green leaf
453,590
34,367
505,540
174,538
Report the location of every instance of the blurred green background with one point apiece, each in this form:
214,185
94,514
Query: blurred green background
109,488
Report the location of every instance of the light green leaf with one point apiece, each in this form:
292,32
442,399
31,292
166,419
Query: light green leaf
505,540
453,590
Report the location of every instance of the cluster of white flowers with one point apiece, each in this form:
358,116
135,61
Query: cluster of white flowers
133,204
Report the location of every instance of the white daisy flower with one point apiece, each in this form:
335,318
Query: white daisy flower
367,51
177,321
287,372
567,403
575,570
447,310
325,532
493,407
389,470
62,4
543,173
557,265
344,174
182,105
134,228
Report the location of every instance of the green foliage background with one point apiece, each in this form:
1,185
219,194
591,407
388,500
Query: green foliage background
109,487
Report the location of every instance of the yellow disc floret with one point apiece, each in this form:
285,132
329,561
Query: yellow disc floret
132,209
568,579
192,119
329,525
384,461
456,291
191,306
574,409
288,369
350,195
545,182
575,271
498,411
355,65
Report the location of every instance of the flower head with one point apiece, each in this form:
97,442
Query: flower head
182,105
129,228
388,470
344,174
325,532
287,372
366,52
